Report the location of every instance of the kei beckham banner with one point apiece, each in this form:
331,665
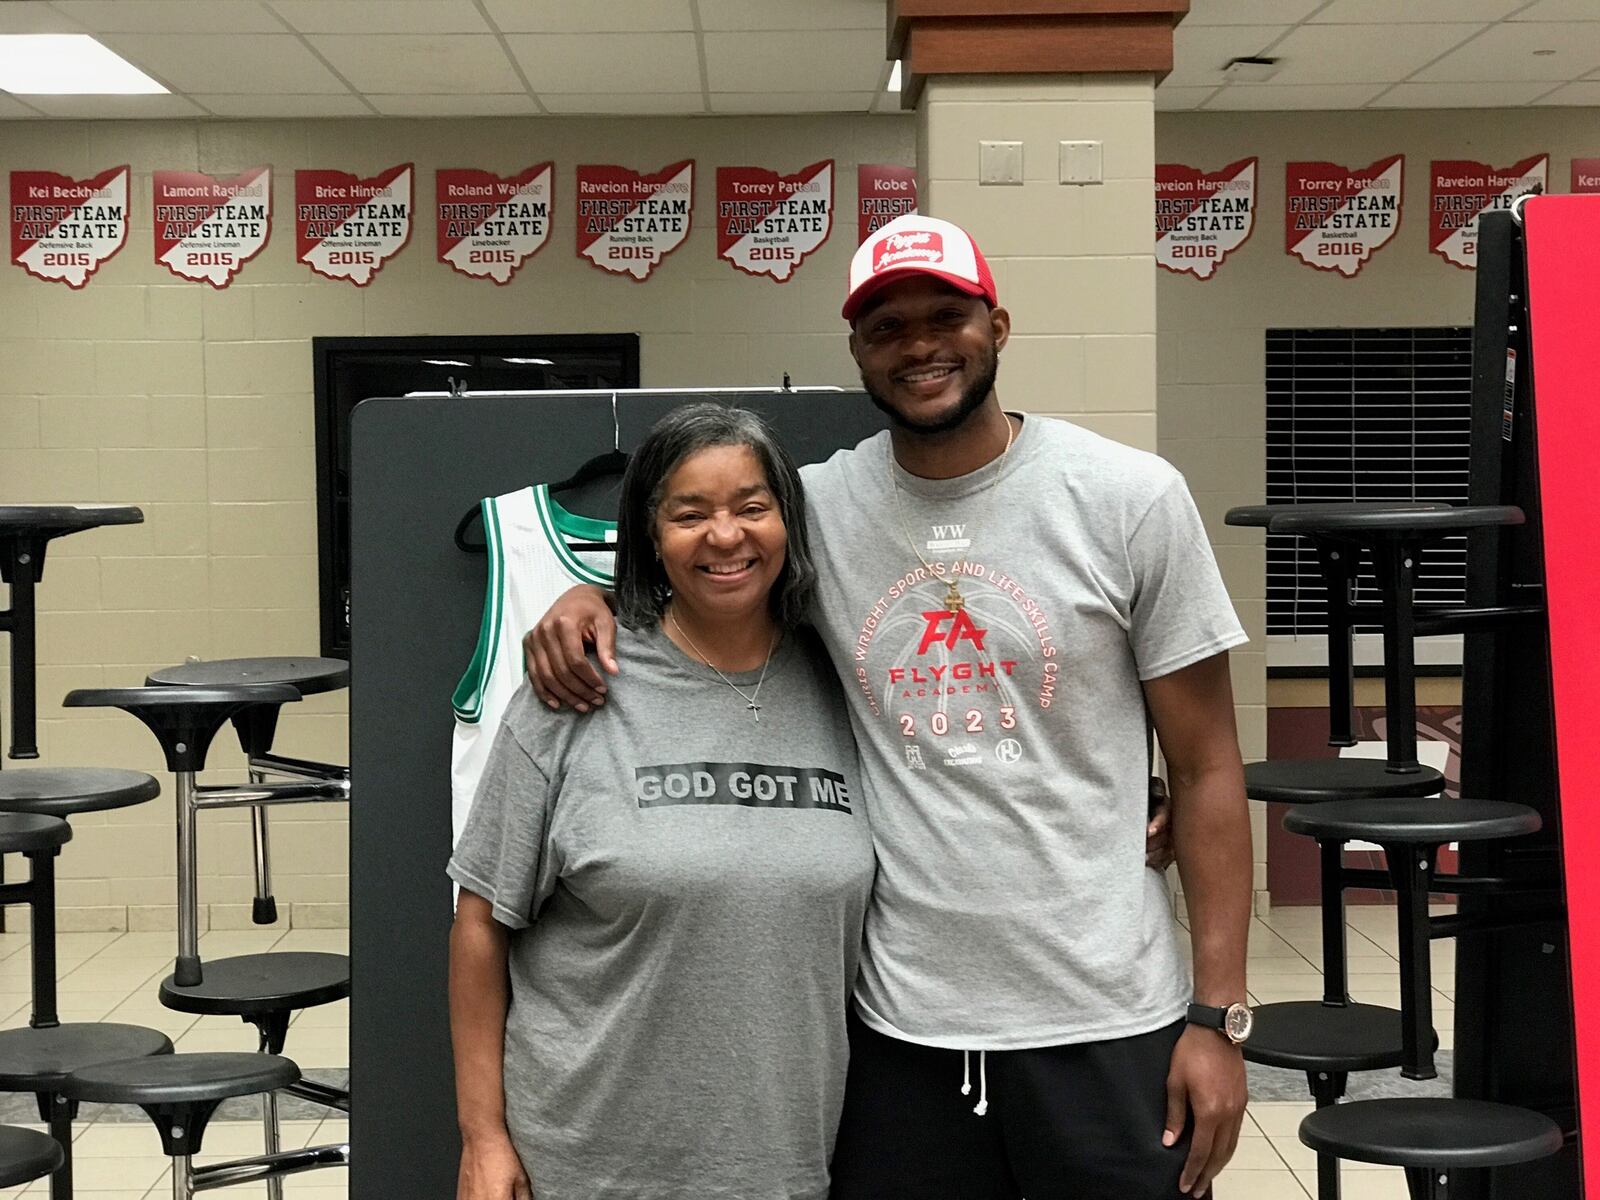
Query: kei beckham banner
1335,218
489,226
207,228
627,222
883,192
347,227
1202,217
63,229
1462,190
768,223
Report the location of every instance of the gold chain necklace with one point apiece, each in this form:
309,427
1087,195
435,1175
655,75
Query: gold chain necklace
749,698
953,599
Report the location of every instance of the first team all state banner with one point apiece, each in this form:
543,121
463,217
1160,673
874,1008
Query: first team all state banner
884,191
347,227
767,223
488,226
207,228
63,229
1203,216
629,222
1336,218
1463,190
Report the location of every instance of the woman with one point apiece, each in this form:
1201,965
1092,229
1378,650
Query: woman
661,903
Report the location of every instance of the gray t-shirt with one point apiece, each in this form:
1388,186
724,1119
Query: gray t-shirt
689,886
1002,730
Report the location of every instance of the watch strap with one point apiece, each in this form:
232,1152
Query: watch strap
1210,1016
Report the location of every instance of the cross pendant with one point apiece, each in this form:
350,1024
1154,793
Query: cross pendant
755,710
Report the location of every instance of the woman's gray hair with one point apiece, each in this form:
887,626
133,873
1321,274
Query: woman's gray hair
641,587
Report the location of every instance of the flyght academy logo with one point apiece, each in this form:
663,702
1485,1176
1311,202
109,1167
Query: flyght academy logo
924,246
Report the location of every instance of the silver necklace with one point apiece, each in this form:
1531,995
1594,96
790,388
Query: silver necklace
749,698
953,599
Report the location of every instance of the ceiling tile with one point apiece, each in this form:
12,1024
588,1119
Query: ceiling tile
606,16
1586,93
1273,97
1506,52
1388,12
1460,95
419,64
787,14
1559,10
266,63
1248,12
518,104
382,16
1199,52
768,103
114,108
34,16
171,16
234,105
1328,54
623,62
15,110
1180,99
826,60
610,104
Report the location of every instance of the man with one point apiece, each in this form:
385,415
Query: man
1005,600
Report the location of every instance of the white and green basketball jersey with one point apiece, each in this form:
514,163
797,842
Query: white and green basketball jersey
530,564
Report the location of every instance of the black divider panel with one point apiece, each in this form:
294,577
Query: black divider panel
417,465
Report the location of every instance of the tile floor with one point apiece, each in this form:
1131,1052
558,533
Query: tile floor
109,976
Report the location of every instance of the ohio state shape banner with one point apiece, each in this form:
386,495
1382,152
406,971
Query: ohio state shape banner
627,222
768,223
884,191
1202,217
206,228
347,227
1461,190
64,229
1334,218
489,226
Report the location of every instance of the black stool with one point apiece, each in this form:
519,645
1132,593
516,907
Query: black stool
181,1092
39,839
67,791
256,727
1431,1137
1411,832
26,1155
39,1061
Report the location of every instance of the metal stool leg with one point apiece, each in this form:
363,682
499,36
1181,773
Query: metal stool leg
265,909
269,1141
1326,1088
182,1178
186,971
43,907
58,1112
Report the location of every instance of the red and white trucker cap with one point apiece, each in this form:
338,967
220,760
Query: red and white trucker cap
922,245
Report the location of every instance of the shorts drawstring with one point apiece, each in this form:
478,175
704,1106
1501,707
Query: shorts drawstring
983,1079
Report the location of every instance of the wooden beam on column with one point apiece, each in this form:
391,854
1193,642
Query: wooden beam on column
1023,37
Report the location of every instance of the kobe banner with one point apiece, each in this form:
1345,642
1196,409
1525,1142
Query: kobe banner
1335,218
63,229
884,191
1202,217
1462,190
347,227
628,222
489,226
207,228
768,223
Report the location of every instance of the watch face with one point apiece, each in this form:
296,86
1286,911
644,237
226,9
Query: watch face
1236,1022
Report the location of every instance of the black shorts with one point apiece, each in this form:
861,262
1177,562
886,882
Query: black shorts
1077,1122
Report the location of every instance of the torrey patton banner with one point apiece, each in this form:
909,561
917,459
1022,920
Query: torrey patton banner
1461,190
63,229
884,192
629,222
1203,216
1336,218
768,223
347,227
489,226
206,228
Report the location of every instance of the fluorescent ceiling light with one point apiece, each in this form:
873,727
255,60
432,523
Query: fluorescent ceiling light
68,64
446,362
529,362
894,78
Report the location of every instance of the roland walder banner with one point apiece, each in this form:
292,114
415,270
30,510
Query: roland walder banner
1461,190
768,223
63,229
1336,218
489,226
1202,217
207,228
884,192
628,222
347,227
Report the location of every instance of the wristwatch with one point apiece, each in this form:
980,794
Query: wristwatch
1233,1022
